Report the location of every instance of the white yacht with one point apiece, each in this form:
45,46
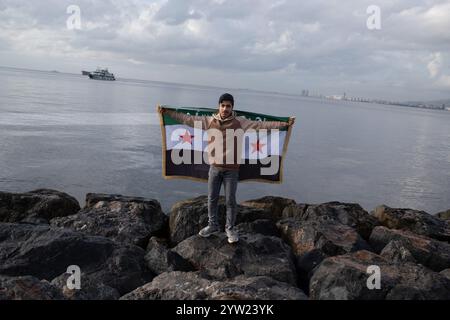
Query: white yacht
102,74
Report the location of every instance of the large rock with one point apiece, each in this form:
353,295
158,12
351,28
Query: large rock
191,286
90,289
313,241
350,214
188,217
345,278
395,251
160,258
263,226
444,215
294,211
253,255
255,288
175,285
446,273
416,221
273,205
27,288
430,252
46,252
37,206
123,219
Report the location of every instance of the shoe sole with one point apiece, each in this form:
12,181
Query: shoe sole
208,235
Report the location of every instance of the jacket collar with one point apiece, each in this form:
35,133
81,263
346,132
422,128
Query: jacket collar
231,117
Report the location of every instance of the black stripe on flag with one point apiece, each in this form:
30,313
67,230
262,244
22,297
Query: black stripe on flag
200,171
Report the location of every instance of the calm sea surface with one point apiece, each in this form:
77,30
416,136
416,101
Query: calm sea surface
69,133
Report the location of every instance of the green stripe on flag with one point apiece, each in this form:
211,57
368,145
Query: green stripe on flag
209,112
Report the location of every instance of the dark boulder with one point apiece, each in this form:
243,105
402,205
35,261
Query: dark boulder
396,252
191,286
160,258
90,289
346,277
294,211
46,252
253,255
431,253
313,241
123,219
37,206
273,205
255,288
349,214
446,273
419,222
444,215
27,288
262,226
174,285
189,216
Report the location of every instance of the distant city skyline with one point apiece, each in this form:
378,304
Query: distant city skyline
282,46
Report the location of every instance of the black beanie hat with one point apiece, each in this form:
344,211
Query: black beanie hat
226,97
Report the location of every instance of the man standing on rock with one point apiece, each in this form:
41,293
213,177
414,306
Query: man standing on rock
221,171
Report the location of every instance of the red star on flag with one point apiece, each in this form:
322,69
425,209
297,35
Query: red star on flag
257,146
187,137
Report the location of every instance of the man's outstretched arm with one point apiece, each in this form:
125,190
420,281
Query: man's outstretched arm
184,118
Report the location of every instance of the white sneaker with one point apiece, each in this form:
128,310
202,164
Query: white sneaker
232,235
208,231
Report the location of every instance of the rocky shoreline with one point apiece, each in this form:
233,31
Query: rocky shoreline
127,248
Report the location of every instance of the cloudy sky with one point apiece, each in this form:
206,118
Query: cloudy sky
285,46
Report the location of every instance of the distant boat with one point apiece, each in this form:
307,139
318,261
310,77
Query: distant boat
102,74
85,73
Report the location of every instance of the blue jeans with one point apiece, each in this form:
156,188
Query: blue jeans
230,179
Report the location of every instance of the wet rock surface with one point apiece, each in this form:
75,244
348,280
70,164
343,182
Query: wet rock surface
192,286
123,219
38,206
127,248
418,222
345,277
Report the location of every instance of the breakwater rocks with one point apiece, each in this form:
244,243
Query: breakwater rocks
127,248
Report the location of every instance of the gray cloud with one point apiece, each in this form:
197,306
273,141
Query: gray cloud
177,12
320,44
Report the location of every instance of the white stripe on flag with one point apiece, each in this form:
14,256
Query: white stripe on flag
185,137
268,145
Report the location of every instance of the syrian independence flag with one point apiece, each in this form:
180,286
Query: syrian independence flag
262,154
